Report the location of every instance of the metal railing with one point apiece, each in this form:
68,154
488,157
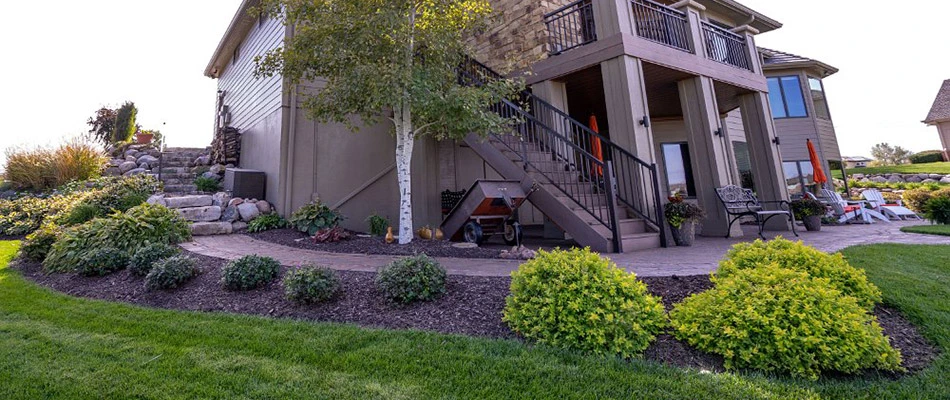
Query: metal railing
565,151
662,24
726,47
571,26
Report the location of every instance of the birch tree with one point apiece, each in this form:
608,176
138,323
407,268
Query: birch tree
394,59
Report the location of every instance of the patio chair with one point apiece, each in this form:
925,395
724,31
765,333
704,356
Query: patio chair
895,212
845,211
740,202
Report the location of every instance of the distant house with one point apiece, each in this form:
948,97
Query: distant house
856,162
940,117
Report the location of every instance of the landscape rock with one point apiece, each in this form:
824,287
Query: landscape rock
131,152
230,214
264,207
145,166
211,228
238,226
936,176
147,159
201,214
464,245
157,199
113,171
248,211
945,179
878,179
235,202
857,177
136,171
131,158
127,166
189,201
929,181
913,178
518,253
209,175
216,169
220,199
203,160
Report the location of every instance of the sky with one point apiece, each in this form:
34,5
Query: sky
62,64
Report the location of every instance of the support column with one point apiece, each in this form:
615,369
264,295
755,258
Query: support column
767,172
708,151
612,17
555,94
627,109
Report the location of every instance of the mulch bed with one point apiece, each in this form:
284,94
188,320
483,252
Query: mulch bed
374,245
472,306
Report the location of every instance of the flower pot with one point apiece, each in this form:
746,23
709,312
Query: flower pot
144,138
684,235
812,223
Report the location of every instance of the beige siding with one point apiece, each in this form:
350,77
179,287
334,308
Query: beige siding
827,140
793,132
250,99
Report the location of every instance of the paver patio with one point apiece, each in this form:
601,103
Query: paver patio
700,259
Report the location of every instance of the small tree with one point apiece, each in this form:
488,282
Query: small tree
102,125
888,155
396,59
125,123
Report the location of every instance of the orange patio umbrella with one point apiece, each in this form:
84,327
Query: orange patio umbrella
595,145
820,177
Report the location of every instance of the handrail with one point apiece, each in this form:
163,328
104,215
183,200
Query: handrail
726,47
636,181
662,24
571,26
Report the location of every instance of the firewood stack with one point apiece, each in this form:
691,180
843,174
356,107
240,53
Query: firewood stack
226,147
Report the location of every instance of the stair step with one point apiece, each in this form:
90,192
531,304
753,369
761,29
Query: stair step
640,241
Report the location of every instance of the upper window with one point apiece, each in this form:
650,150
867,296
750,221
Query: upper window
679,170
785,96
818,97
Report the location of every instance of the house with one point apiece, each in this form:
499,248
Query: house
672,87
856,162
939,116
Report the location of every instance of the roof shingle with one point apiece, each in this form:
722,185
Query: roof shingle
941,108
774,59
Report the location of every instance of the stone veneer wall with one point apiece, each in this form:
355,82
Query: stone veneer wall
517,36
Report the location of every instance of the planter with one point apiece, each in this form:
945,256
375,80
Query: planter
144,138
684,235
812,223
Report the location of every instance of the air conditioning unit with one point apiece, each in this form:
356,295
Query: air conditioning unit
245,183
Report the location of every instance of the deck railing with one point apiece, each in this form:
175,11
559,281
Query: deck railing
726,47
661,24
571,26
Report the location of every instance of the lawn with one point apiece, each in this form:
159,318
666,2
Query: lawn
942,230
56,346
931,168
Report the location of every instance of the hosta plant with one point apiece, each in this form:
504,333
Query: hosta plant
314,217
266,222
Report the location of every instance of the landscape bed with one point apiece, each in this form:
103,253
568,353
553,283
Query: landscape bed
375,245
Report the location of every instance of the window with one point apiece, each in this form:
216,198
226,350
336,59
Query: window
679,169
236,55
743,164
799,176
785,96
818,97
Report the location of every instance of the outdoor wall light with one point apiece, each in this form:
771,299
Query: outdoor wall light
645,121
718,132
777,141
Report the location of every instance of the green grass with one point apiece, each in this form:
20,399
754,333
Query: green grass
55,346
942,230
931,168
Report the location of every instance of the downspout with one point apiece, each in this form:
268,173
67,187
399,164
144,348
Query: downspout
291,141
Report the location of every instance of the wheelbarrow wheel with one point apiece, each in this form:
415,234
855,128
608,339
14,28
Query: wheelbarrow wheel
472,233
512,233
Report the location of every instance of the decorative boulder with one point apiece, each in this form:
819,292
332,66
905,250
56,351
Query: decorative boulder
248,211
857,177
216,169
220,199
264,207
238,226
209,175
913,178
201,214
235,202
936,176
136,171
127,166
113,171
131,158
230,214
878,179
189,201
203,160
211,228
131,152
945,179
158,200
929,181
149,160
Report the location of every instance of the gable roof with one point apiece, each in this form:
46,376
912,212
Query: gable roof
774,59
940,111
240,25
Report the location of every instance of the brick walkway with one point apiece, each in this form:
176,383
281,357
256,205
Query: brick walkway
700,259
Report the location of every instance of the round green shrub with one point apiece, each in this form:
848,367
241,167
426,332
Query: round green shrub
410,279
938,210
250,272
145,257
781,320
797,256
579,300
37,244
310,284
170,273
927,157
102,261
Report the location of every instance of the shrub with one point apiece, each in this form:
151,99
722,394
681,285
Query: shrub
410,279
170,273
797,256
80,214
46,168
314,217
250,272
938,210
579,300
206,184
927,157
917,199
26,214
679,211
29,168
782,320
145,257
102,261
124,193
125,125
37,244
127,232
807,207
310,284
266,222
377,225
331,235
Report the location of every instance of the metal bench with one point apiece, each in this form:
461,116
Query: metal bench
740,202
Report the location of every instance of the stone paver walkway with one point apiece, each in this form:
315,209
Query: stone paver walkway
700,259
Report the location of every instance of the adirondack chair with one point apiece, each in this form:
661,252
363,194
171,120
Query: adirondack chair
845,211
895,212
740,202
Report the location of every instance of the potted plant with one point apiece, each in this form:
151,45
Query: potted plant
144,137
682,217
809,211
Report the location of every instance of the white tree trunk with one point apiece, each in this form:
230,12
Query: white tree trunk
404,141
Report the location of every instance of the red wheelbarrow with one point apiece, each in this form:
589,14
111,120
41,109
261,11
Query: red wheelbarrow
490,207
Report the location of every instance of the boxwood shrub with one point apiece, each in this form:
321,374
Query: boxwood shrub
411,279
849,280
782,320
927,157
250,272
102,261
579,300
311,284
170,273
143,259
